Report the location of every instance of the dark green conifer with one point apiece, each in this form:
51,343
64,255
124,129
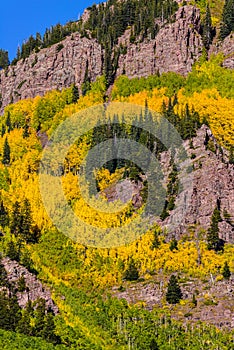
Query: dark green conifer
227,25
6,158
213,241
174,293
207,29
226,271
131,274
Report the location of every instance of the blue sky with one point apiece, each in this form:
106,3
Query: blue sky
20,19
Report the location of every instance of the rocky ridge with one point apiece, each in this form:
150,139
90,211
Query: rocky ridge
34,288
210,184
176,47
214,299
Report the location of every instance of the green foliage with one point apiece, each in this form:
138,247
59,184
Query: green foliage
6,158
4,59
227,25
21,284
210,74
125,87
207,29
194,300
4,218
16,341
213,241
131,273
226,271
173,244
156,241
174,293
3,274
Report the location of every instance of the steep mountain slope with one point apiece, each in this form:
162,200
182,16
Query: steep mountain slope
189,243
176,47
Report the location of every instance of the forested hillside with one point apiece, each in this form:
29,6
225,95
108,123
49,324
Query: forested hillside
153,288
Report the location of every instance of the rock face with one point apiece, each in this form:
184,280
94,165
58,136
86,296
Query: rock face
210,184
56,67
214,300
175,48
34,290
227,48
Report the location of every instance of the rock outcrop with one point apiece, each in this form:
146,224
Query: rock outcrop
227,48
56,67
34,288
176,47
210,184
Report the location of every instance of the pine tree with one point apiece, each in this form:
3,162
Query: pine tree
231,155
227,25
156,242
26,221
131,274
174,293
4,59
8,122
75,93
26,131
6,158
12,250
153,345
16,220
21,284
4,218
3,274
173,244
39,315
3,130
207,29
226,271
213,241
194,300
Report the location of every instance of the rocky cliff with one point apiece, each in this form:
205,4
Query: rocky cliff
176,47
210,184
34,288
56,67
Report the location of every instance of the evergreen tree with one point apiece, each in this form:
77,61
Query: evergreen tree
24,325
231,155
14,312
207,29
12,250
153,345
194,300
4,59
4,218
26,131
75,93
6,158
227,25
3,130
8,122
39,315
213,241
131,274
174,293
173,244
156,242
21,284
226,271
16,220
3,274
26,221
